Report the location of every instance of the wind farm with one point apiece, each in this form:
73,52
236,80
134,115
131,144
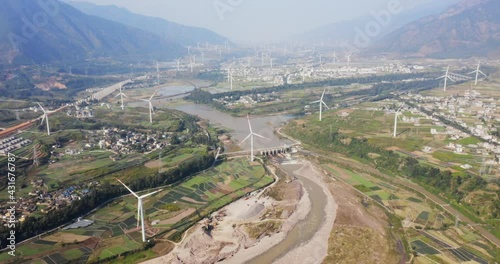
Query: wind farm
134,139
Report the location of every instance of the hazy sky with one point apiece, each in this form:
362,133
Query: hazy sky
247,20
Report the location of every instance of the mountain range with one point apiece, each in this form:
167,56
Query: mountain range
50,30
469,28
184,35
345,31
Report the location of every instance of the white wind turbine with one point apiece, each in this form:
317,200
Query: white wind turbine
121,94
231,79
151,110
349,59
398,112
140,208
191,64
46,118
321,103
252,134
302,72
229,74
446,77
178,63
477,72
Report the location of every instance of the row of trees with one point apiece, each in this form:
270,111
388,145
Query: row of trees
454,187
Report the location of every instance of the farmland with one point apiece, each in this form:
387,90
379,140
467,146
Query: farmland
114,230
444,239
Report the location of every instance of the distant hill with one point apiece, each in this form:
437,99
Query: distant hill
184,35
58,32
346,30
469,28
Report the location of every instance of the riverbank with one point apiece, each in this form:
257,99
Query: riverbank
257,227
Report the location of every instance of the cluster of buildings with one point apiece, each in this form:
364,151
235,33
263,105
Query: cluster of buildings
471,111
81,112
39,201
121,141
12,143
283,74
230,101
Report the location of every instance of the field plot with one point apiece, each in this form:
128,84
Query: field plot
451,245
167,215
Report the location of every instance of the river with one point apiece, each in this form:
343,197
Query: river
238,126
305,229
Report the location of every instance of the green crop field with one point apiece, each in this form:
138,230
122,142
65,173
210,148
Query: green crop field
423,248
202,194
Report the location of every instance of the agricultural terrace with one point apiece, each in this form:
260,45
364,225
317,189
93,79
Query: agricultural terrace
168,215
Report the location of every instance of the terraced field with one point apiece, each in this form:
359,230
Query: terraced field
115,231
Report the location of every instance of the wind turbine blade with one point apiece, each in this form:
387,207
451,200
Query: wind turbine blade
117,95
482,73
152,96
315,102
127,188
327,107
249,125
43,110
125,95
442,77
257,135
323,95
43,119
246,138
144,100
147,195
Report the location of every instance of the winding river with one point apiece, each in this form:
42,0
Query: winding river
305,229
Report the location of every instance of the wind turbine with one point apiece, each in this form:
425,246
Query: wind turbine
178,63
231,79
229,72
46,118
394,135
252,134
121,94
349,59
446,77
302,72
321,103
477,72
191,64
140,208
151,110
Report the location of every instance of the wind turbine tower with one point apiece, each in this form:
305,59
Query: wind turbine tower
321,103
477,72
252,134
46,118
394,135
121,94
446,77
140,208
231,79
178,63
151,110
349,59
